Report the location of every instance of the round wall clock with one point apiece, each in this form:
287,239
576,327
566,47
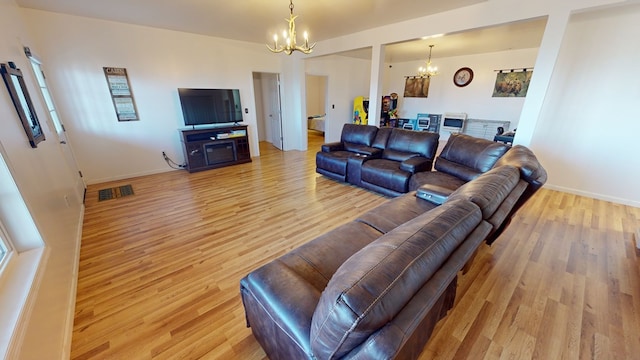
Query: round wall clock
463,77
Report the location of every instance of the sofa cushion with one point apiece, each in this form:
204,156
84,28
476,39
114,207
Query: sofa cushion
398,156
395,212
382,137
423,143
466,157
360,149
405,336
282,295
385,173
333,146
373,285
416,164
358,134
437,178
489,190
333,162
523,158
500,216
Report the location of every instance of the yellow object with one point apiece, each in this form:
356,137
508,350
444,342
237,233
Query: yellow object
360,112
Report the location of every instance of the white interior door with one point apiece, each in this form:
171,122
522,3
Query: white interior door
67,151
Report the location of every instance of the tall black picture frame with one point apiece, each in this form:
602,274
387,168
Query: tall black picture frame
121,93
14,81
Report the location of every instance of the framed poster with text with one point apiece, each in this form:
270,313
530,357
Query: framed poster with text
121,93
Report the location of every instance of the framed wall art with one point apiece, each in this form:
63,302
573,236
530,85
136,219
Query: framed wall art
121,93
17,88
512,83
416,86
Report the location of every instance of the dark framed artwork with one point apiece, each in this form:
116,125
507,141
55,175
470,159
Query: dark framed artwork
121,93
416,86
512,83
14,81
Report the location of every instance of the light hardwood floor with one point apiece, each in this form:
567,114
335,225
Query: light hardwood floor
160,270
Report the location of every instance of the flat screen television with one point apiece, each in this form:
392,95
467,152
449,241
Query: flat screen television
210,106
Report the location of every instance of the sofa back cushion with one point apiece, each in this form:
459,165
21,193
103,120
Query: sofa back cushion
382,137
403,144
522,158
489,190
466,157
354,136
372,286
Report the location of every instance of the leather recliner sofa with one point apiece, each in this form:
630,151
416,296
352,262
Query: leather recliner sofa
403,155
355,141
374,288
382,160
465,158
462,159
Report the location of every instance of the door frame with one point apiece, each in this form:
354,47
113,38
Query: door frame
53,118
268,97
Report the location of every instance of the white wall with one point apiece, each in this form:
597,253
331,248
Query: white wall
157,62
474,99
316,94
347,78
587,134
43,179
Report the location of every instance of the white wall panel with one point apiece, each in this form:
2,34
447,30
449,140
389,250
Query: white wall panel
158,62
587,135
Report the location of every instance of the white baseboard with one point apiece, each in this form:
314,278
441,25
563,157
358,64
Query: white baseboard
73,291
129,176
597,196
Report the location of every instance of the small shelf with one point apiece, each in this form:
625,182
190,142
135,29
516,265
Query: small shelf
215,147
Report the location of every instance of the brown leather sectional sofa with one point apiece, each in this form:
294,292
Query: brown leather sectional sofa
374,288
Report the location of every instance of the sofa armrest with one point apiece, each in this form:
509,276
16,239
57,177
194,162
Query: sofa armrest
354,169
362,150
433,193
416,164
455,169
334,146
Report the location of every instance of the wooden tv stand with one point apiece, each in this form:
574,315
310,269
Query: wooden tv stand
215,147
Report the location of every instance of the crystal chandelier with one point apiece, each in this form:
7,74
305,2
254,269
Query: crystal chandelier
429,70
290,39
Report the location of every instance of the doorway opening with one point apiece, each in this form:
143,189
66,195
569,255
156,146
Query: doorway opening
316,89
266,87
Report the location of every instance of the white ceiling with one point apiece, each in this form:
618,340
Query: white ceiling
257,20
520,35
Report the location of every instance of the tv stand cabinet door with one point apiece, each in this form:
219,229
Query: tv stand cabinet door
194,154
242,148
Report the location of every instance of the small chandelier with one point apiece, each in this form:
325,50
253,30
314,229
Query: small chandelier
290,39
429,70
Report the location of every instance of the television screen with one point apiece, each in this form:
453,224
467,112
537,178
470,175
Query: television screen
454,123
210,106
